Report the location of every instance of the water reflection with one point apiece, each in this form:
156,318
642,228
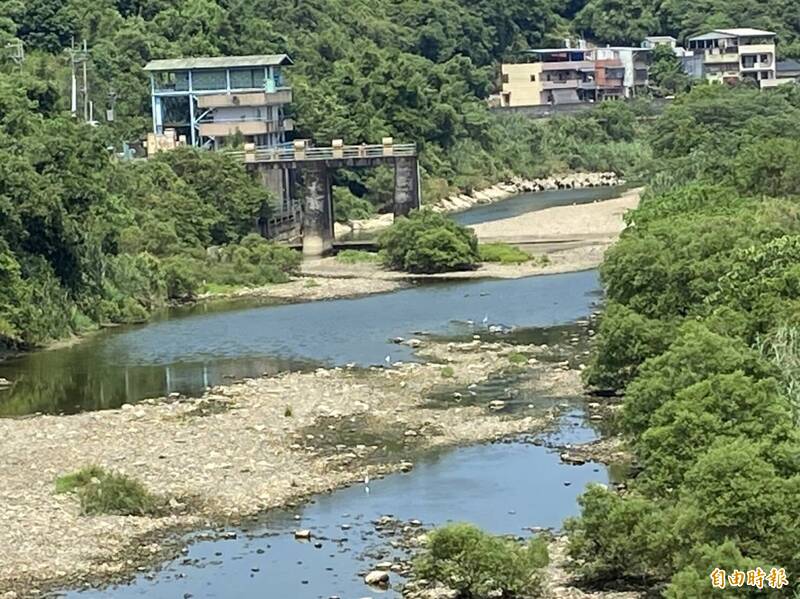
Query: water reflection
208,346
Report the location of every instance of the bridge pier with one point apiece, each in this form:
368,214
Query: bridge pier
317,210
406,185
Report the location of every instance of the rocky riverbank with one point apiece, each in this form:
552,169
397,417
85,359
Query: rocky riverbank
240,450
502,191
459,202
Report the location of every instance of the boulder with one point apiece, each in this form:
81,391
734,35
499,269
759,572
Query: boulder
377,578
302,534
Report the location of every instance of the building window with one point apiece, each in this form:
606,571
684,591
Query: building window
168,81
505,77
247,79
209,80
533,78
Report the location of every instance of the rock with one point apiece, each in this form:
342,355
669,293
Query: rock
384,566
406,466
302,534
411,433
377,578
413,343
571,459
497,405
4,382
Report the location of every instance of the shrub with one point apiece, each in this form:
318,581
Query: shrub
517,358
624,341
181,275
733,492
693,581
723,405
503,253
619,538
448,372
696,354
348,207
356,257
477,564
102,492
427,242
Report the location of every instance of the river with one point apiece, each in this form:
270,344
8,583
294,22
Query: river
503,487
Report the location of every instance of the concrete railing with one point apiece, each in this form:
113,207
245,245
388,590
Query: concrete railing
336,151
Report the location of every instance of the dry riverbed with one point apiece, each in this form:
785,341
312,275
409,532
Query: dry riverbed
562,239
238,451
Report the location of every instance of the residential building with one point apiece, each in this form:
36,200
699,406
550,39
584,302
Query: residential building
652,41
213,100
730,55
635,64
572,75
788,71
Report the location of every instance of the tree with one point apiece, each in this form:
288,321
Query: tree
666,71
428,242
695,355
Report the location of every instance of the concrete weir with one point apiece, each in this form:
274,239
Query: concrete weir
313,165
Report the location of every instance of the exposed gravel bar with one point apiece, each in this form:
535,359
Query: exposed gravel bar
229,455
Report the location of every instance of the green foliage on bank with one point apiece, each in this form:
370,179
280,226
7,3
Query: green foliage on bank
107,493
700,334
502,253
85,240
479,565
428,242
357,257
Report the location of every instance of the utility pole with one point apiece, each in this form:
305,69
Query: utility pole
16,51
85,85
79,57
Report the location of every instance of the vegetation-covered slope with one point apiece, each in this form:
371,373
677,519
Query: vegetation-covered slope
701,334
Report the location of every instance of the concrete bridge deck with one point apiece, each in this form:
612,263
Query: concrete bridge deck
314,165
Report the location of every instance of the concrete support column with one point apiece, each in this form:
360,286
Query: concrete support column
318,211
406,185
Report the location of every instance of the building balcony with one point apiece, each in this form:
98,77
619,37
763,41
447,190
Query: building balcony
757,49
226,128
568,65
610,83
716,56
565,84
225,100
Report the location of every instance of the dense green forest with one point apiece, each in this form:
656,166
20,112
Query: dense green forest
628,21
701,333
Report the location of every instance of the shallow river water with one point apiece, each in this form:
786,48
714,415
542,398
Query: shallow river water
505,488
209,345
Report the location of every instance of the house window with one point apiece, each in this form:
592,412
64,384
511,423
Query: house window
533,78
505,77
